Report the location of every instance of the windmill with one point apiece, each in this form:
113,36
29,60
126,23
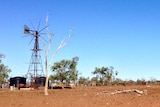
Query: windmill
35,69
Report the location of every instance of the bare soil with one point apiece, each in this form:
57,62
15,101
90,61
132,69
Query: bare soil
82,97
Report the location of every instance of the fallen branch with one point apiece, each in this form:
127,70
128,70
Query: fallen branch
124,91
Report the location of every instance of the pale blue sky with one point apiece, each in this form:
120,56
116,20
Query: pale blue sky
120,33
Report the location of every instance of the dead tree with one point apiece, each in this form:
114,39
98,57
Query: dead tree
47,49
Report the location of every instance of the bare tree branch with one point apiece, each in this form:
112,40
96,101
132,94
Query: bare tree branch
61,45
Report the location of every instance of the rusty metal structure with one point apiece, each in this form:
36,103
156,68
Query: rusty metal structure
35,69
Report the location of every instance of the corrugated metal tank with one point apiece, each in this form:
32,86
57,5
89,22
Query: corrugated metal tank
41,81
17,80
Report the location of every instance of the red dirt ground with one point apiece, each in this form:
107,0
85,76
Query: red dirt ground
81,97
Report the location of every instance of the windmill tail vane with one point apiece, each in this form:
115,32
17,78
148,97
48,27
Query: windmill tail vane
26,29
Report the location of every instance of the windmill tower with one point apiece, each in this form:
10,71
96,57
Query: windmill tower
35,69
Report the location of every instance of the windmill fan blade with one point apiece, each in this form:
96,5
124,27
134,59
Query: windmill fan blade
39,24
31,41
43,40
43,28
26,29
32,25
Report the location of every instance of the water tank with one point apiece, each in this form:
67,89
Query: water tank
17,80
41,81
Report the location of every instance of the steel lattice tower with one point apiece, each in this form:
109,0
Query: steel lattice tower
35,68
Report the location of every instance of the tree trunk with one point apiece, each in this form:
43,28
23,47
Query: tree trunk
46,84
46,88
